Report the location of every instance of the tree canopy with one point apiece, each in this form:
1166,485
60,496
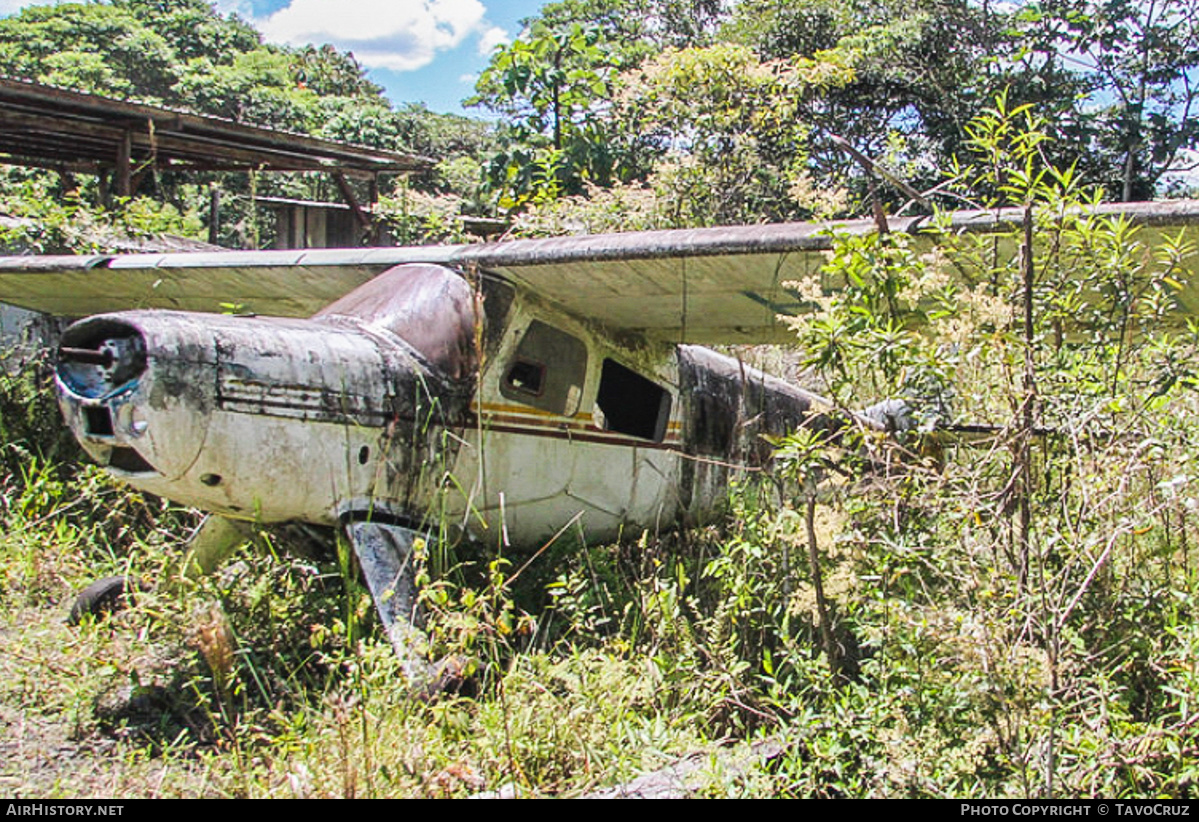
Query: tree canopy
684,112
655,86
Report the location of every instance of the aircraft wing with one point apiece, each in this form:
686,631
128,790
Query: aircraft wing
275,283
710,285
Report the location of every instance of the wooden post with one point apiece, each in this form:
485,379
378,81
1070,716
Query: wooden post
364,219
376,226
214,213
70,185
124,179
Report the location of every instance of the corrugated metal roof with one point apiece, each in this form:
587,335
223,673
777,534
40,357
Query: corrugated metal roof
47,126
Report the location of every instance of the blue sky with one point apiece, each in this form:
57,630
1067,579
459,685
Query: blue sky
419,50
426,51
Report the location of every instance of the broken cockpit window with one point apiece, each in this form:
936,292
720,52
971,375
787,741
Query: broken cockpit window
631,404
547,371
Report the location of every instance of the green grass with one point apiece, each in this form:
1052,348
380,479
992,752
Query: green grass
963,668
255,683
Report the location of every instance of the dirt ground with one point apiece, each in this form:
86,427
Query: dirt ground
69,720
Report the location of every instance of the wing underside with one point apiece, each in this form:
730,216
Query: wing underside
713,285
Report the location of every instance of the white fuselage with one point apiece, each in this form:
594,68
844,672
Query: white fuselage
423,400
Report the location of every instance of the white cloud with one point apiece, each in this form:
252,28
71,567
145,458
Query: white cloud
394,34
494,36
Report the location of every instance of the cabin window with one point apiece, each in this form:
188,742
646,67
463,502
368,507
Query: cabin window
631,404
547,371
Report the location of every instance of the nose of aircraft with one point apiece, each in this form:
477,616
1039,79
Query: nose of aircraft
276,418
131,414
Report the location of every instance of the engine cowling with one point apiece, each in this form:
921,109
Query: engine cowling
278,419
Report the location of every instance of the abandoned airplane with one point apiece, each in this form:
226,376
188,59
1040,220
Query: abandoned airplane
503,388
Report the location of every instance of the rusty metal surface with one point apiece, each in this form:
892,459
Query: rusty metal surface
729,412
730,406
429,307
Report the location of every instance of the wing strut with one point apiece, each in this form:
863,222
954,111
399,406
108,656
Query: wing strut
386,554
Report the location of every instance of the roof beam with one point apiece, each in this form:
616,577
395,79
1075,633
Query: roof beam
41,122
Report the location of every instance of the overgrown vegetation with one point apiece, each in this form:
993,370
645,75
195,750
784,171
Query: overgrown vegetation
1004,612
1007,610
